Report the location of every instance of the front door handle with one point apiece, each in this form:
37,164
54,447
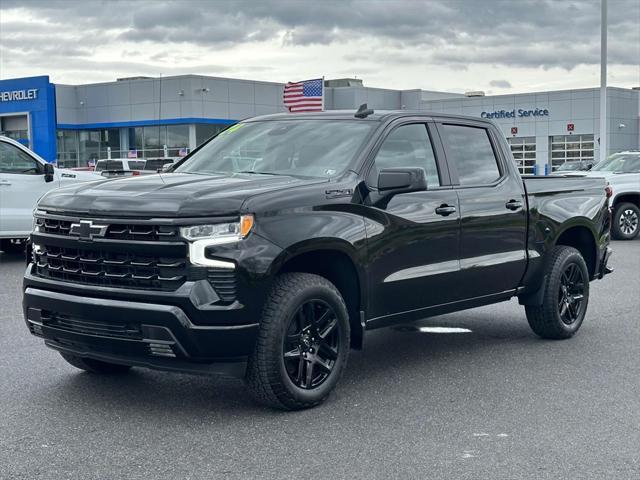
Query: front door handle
4,182
445,210
513,204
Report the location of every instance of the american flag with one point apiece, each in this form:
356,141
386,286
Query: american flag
304,96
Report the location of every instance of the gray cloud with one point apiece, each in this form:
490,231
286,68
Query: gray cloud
500,84
454,33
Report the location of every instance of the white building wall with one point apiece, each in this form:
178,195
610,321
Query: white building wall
579,107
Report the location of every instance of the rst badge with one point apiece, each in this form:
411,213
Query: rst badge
86,230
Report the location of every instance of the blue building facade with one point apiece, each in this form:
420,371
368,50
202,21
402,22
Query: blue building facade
28,113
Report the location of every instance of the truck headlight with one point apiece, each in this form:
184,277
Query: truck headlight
202,236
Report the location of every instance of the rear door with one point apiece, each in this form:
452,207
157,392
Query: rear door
493,216
413,238
21,185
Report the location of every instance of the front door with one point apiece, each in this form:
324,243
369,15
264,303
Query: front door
413,239
493,215
21,185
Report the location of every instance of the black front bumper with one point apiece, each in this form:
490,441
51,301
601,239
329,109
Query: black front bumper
136,333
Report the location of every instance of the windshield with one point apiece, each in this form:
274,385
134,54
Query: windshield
314,148
620,162
570,166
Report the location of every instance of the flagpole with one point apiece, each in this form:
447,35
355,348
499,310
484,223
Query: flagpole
603,80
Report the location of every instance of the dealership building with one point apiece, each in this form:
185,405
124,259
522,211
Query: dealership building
144,117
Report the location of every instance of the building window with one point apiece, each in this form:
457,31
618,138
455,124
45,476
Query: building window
67,148
177,138
567,148
204,131
524,153
79,148
150,142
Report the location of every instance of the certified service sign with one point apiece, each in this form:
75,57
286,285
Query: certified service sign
17,95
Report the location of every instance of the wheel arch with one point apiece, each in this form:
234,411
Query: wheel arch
582,239
337,262
631,197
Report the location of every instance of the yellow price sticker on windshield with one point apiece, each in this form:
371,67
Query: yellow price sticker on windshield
232,129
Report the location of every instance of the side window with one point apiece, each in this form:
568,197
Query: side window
471,151
409,146
14,160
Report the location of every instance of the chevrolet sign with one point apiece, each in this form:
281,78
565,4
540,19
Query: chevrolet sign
17,95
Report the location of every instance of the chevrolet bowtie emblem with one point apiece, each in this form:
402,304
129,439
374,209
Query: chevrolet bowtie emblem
86,230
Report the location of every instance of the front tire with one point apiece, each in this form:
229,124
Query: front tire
95,366
303,343
565,297
626,221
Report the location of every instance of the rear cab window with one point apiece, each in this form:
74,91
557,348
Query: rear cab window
108,165
471,153
136,164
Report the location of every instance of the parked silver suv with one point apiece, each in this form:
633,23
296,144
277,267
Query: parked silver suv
622,171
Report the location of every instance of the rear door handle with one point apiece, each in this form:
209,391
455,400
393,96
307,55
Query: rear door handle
445,210
513,204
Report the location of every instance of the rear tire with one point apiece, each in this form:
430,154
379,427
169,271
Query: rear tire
303,343
565,298
95,366
626,221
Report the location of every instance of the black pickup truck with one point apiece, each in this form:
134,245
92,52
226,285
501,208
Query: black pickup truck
270,250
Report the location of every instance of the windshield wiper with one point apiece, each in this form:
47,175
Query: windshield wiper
259,173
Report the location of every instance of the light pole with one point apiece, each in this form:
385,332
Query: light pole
603,79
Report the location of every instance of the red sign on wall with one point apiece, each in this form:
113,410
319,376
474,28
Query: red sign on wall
514,130
570,127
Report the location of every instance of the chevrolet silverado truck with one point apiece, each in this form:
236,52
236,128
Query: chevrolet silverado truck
270,250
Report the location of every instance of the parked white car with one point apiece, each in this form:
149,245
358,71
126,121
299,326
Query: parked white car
24,178
622,171
120,167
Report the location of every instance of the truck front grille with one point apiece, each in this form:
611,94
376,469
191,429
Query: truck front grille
115,231
93,266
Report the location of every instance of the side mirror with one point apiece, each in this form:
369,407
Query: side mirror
48,172
165,168
392,181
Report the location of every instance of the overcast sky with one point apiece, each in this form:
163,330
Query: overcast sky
499,46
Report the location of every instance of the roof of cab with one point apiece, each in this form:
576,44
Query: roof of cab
378,115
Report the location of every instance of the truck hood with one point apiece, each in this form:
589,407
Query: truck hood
167,195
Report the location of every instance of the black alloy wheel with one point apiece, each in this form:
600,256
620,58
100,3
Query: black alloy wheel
571,294
303,343
565,295
311,344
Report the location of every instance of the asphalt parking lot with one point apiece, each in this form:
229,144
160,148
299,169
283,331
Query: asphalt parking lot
494,402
